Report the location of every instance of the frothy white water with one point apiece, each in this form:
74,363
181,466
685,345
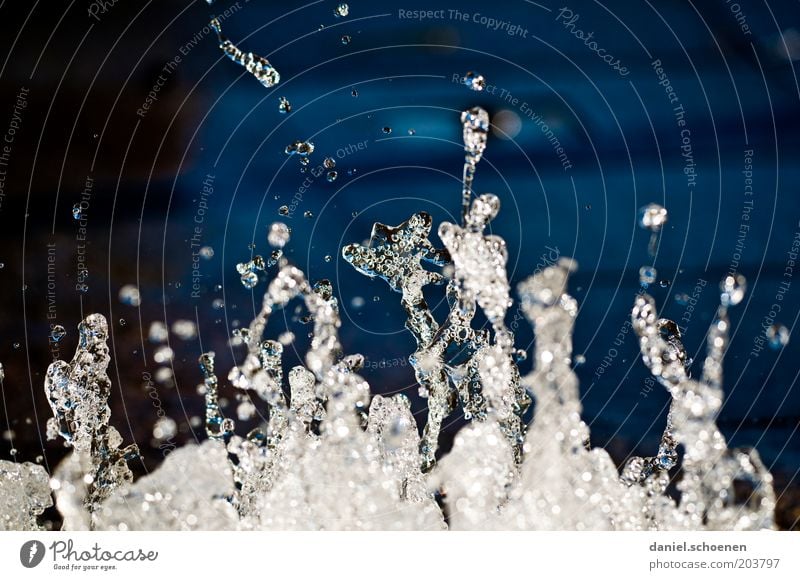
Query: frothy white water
330,456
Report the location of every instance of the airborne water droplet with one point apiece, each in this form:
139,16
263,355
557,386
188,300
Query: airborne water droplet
284,106
647,275
474,81
341,10
778,336
278,235
346,39
732,289
332,175
652,217
57,333
129,294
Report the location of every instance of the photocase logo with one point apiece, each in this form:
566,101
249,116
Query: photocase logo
31,553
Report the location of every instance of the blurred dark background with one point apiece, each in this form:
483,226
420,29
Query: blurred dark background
378,92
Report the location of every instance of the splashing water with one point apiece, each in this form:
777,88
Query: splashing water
256,65
330,456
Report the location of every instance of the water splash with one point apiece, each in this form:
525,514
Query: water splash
257,66
327,455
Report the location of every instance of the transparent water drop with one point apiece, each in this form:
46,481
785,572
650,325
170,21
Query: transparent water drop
474,81
300,148
77,212
732,289
249,280
341,10
218,304
163,354
284,106
412,132
346,39
308,214
387,130
647,275
354,93
331,176
329,163
778,336
206,252
158,332
328,258
164,428
184,329
279,234
57,333
682,298
129,294
652,217
283,210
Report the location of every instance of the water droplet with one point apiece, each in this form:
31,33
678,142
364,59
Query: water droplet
184,329
341,10
346,39
218,304
332,175
308,214
283,210
652,217
357,302
158,332
732,289
77,213
354,93
284,106
412,132
329,163
206,252
328,258
279,234
778,336
57,333
249,280
474,81
286,338
647,275
300,148
164,428
682,298
257,66
129,294
387,130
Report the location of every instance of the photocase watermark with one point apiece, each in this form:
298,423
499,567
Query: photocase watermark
319,171
81,214
100,8
528,112
687,152
14,125
547,259
32,553
52,313
740,16
488,22
747,208
568,19
771,317
166,446
196,239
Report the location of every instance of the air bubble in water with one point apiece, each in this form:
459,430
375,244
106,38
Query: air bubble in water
474,81
129,294
284,106
732,289
778,336
57,333
278,235
652,217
